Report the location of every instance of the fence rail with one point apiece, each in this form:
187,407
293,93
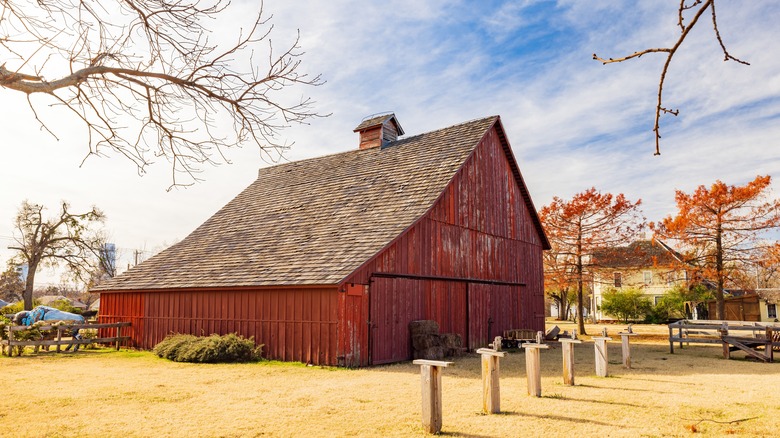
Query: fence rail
58,341
749,336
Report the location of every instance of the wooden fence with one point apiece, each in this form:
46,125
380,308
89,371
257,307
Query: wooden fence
58,341
732,335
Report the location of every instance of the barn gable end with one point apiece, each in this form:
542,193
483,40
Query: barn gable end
472,262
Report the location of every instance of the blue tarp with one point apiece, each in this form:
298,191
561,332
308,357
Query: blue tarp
46,313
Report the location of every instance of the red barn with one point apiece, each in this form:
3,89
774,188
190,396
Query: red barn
327,260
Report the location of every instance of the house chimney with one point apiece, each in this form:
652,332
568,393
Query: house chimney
377,131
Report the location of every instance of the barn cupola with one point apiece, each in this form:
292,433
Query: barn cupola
379,130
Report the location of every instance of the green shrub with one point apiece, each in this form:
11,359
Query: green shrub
16,307
4,324
65,306
208,349
628,304
89,333
168,348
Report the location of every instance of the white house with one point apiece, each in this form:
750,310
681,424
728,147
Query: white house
650,266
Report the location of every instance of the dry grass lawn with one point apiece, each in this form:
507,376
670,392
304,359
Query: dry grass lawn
128,393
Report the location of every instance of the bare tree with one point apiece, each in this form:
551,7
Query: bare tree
146,79
11,284
68,239
696,8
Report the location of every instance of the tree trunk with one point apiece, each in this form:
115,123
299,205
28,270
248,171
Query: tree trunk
580,306
721,304
28,287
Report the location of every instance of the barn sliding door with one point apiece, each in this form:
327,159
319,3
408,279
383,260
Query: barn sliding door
492,309
395,302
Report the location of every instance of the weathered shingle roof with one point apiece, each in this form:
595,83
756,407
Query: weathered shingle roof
771,296
313,221
638,254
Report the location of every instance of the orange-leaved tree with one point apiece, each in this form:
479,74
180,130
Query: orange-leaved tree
558,281
721,228
589,221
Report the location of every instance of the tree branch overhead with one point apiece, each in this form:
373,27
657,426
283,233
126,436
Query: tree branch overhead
147,79
698,7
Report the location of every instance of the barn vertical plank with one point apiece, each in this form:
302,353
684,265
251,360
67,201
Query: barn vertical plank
316,328
306,327
366,329
275,330
332,328
289,318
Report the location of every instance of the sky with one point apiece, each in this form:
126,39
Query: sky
573,123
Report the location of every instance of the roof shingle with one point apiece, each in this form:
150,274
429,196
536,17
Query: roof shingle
312,221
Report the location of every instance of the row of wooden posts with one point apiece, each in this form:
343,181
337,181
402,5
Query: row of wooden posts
430,373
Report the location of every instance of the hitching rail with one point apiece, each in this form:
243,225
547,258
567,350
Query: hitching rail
59,342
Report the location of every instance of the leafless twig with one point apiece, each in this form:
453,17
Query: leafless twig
188,98
699,7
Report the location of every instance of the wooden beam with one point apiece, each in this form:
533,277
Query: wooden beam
430,379
600,346
491,392
567,347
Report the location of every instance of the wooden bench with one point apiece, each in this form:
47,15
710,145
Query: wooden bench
760,343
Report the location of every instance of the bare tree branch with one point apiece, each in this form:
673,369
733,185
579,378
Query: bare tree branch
146,81
700,6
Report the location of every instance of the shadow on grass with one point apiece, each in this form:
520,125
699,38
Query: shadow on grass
603,402
562,418
612,388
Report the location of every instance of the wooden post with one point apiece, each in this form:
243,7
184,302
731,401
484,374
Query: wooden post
59,337
671,343
724,331
118,335
491,394
770,346
430,377
532,368
601,355
680,335
626,348
567,347
10,340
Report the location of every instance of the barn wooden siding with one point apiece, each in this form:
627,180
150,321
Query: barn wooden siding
294,324
473,263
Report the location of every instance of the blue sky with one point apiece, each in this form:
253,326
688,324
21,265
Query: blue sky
573,123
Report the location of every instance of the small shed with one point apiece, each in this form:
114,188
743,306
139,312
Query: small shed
327,260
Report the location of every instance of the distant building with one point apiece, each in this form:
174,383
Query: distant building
47,300
754,306
649,266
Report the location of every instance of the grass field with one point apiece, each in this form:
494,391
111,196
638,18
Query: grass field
129,393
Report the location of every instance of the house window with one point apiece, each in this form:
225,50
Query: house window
648,277
670,278
618,279
657,299
771,310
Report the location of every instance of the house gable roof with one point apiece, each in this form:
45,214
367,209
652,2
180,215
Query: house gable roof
314,221
637,255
